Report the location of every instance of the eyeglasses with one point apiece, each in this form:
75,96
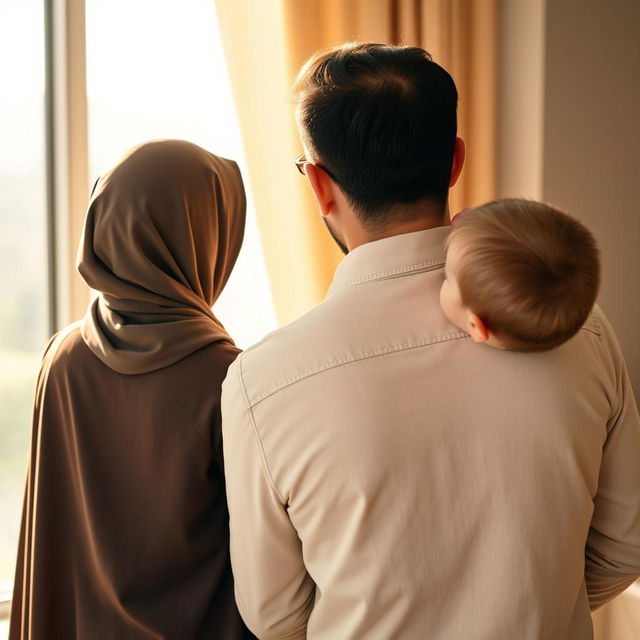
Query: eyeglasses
302,162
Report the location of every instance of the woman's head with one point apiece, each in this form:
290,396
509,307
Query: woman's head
163,231
166,223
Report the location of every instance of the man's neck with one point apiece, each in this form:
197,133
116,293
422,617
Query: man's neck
418,221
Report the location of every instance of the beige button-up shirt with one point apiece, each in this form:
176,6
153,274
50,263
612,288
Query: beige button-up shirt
388,478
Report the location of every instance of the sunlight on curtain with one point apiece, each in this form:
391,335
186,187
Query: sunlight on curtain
155,69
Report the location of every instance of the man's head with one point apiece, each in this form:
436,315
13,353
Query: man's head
378,124
519,275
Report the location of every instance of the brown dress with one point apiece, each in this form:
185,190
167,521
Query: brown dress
125,531
125,528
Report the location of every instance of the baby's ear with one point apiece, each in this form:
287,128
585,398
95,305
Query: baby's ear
477,329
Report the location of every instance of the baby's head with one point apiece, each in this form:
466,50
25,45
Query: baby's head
519,275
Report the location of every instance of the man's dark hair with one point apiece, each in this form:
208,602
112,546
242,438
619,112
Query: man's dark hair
381,120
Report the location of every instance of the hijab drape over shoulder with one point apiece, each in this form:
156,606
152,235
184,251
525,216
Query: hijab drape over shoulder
159,251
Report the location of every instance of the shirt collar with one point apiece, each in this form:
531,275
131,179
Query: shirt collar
393,256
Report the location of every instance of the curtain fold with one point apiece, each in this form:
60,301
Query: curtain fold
265,43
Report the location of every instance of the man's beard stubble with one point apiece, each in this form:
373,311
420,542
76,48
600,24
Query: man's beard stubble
334,235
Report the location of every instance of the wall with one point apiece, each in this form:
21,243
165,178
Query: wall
521,97
591,143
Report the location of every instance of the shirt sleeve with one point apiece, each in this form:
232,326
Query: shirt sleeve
612,554
274,592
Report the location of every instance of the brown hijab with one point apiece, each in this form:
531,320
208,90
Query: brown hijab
163,231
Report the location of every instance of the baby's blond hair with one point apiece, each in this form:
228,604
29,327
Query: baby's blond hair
528,270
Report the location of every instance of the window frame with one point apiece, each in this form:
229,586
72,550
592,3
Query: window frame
66,166
67,162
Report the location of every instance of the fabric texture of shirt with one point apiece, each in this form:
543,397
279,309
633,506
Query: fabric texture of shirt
388,478
125,526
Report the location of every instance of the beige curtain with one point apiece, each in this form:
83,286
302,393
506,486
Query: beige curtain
265,43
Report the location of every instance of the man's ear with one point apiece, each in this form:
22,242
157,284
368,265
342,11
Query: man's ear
322,186
458,161
477,329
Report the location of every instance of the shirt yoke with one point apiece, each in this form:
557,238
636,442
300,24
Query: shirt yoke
341,331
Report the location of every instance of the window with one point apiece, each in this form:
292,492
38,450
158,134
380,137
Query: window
24,324
156,69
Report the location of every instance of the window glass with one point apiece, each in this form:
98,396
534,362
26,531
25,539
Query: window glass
156,69
23,256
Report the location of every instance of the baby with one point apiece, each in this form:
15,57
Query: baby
519,275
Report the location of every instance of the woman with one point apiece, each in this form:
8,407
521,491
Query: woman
125,527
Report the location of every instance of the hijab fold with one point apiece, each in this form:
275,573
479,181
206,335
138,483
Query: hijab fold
163,231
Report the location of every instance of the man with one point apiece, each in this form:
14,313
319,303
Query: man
387,477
